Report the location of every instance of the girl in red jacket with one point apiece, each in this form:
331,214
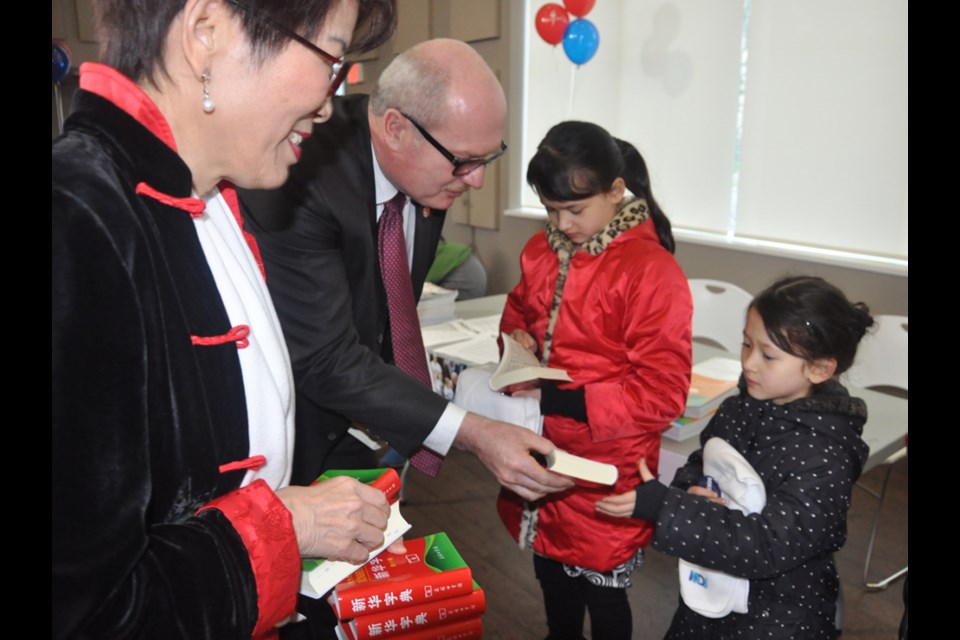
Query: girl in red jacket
602,297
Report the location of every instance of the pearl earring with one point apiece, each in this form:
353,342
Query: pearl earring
208,105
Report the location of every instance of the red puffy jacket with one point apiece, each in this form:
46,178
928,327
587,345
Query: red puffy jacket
623,334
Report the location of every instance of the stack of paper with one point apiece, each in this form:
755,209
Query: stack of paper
711,382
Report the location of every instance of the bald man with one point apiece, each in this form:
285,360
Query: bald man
432,125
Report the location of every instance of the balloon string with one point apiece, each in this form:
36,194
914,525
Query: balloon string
59,99
573,86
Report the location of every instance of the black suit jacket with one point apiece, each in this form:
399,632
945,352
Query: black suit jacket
318,239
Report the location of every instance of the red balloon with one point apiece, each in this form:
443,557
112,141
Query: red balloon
552,21
579,8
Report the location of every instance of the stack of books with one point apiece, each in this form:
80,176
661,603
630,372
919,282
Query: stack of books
426,593
711,382
436,304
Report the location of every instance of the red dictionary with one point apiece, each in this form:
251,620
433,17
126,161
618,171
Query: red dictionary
400,622
465,629
431,569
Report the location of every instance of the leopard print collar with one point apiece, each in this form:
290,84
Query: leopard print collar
630,212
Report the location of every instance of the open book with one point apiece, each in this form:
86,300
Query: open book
518,366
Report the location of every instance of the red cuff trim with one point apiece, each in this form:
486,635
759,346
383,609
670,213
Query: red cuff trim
229,193
194,206
253,462
237,334
266,528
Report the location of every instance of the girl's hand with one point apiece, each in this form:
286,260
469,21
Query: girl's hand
645,473
525,339
621,505
706,493
528,392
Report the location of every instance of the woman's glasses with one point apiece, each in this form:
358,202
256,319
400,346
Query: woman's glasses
461,166
339,68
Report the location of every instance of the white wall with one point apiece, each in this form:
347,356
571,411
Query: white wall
818,89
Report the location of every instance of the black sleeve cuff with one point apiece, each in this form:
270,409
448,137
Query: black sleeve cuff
650,496
571,403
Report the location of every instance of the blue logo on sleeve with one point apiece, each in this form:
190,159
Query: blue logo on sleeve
698,579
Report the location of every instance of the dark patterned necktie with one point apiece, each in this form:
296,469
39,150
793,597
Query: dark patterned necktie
408,351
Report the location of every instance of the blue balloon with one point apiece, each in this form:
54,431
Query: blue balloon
580,41
61,61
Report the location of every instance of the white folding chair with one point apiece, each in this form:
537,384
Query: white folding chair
719,311
882,362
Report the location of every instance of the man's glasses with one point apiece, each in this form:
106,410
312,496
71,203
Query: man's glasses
339,68
461,166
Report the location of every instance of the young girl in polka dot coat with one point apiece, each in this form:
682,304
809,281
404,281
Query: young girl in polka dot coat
799,429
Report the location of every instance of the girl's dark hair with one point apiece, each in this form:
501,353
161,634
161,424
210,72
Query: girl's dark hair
577,160
133,32
810,318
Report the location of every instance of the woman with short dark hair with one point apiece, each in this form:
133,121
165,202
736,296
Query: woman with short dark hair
172,391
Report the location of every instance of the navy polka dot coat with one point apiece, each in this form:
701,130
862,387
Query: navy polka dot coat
809,453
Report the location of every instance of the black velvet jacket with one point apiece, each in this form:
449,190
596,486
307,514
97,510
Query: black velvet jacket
142,418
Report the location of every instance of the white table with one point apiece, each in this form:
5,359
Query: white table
884,431
481,307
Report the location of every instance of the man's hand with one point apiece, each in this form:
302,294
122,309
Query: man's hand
338,519
505,449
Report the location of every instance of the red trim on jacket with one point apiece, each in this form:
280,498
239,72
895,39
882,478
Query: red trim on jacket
266,528
229,193
237,334
253,462
110,84
194,206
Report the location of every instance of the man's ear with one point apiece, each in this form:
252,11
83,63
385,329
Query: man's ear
821,370
395,129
